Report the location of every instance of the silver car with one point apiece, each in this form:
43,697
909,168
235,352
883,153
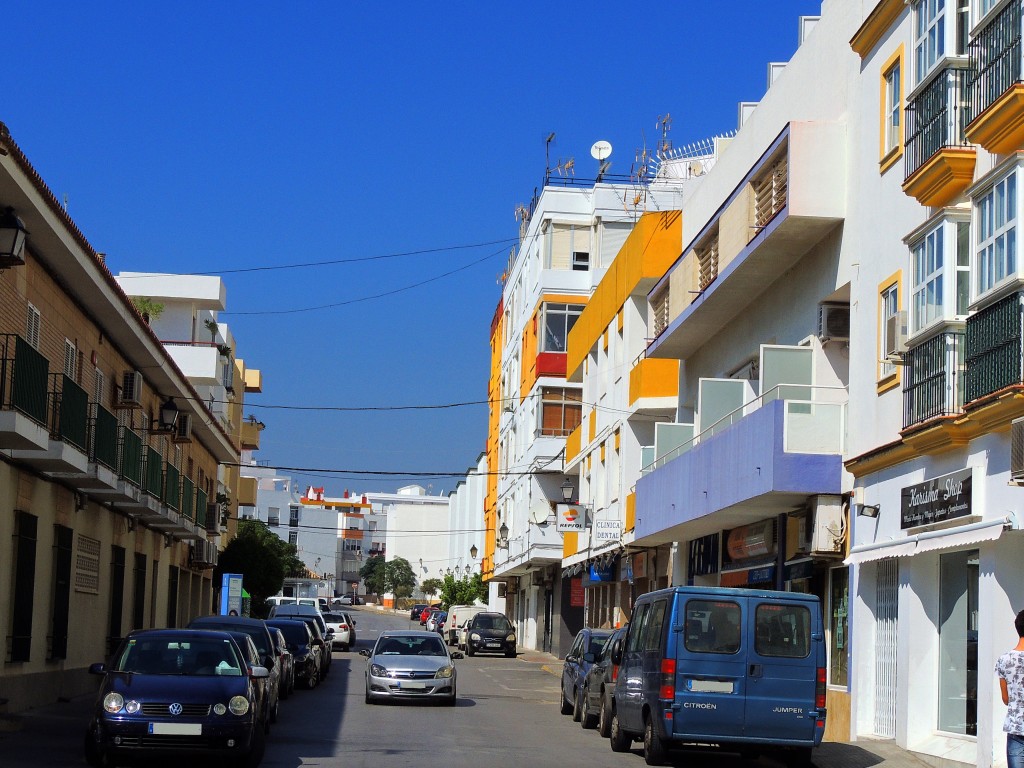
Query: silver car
410,664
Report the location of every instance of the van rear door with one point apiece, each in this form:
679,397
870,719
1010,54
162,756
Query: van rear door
710,669
782,670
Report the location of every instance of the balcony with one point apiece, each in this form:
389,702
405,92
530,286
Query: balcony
933,379
23,372
993,348
127,494
200,361
762,459
996,90
250,437
939,165
68,422
247,491
654,387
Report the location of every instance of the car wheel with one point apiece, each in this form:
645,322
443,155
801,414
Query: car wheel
577,707
510,654
311,681
366,697
565,706
94,754
257,746
451,702
266,720
587,720
470,651
273,712
654,748
619,740
801,757
604,721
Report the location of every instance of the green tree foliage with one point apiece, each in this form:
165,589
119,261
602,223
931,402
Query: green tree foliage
463,591
431,587
262,558
399,578
372,574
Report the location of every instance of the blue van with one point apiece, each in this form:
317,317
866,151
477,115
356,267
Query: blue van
741,668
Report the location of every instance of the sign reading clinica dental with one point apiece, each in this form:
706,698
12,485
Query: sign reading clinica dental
933,501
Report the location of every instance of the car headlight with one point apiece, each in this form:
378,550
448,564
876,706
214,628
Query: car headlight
238,705
219,709
475,636
132,706
113,702
511,638
376,670
445,671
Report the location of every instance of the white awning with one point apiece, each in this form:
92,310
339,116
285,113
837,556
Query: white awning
949,538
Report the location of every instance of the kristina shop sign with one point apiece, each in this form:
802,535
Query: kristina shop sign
935,500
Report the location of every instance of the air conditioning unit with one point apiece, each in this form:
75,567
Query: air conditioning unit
834,322
896,337
1017,450
204,554
828,532
183,428
131,390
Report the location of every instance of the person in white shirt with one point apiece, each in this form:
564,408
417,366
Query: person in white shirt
1010,670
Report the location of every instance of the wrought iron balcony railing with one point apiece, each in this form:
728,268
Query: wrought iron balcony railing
23,373
993,357
188,499
200,513
130,457
153,473
172,487
70,412
932,378
103,438
936,118
995,58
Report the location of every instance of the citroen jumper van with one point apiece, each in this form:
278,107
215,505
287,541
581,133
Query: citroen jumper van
741,668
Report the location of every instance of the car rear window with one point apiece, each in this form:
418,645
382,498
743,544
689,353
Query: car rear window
782,630
294,633
597,643
712,626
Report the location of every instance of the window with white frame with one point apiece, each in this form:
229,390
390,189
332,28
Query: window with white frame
996,226
929,35
558,320
940,266
33,323
70,358
893,108
889,305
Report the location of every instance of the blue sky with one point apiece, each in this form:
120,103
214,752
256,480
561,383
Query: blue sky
211,137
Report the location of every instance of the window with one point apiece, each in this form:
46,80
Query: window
561,411
70,359
636,628
653,626
712,627
293,517
892,133
558,320
782,631
99,388
996,219
889,305
32,327
929,35
293,538
273,516
839,628
933,297
707,261
580,261
958,643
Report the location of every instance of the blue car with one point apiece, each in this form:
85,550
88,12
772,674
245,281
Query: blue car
179,692
582,654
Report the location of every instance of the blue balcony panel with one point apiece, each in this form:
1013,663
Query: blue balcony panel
739,476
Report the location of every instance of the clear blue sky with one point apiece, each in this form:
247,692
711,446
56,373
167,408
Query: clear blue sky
210,137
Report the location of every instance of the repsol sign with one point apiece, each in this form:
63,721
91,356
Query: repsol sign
933,501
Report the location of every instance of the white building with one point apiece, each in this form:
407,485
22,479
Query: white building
466,524
417,530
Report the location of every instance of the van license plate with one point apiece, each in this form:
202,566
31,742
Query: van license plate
710,686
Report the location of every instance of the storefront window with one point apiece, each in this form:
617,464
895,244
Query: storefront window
958,643
839,633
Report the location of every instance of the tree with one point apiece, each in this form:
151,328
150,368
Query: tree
463,591
431,587
399,578
372,574
261,557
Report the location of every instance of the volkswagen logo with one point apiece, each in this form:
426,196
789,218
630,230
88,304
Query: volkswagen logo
175,709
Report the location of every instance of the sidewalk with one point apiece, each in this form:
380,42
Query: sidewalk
865,753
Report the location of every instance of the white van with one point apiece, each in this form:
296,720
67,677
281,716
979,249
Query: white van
459,614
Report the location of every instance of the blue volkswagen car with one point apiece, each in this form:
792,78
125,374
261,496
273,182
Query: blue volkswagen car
180,692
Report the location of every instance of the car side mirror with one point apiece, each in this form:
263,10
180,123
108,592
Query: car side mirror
99,668
589,657
364,652
617,655
258,672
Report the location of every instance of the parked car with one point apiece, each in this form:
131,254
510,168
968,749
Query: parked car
299,609
319,639
457,614
599,685
323,634
343,628
259,632
351,628
410,664
306,654
350,600
741,668
269,700
491,633
176,692
435,618
461,635
582,653
284,656
416,610
427,611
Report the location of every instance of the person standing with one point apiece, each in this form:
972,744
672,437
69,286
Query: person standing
1010,670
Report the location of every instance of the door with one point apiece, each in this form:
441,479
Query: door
710,670
886,615
629,688
785,640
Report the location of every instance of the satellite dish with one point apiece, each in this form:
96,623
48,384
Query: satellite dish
601,150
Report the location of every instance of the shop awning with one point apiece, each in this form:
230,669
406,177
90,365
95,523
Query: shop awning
949,538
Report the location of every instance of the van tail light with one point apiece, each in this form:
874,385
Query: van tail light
615,672
819,689
668,679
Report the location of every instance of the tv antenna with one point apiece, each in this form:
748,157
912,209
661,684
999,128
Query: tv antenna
547,155
664,125
601,151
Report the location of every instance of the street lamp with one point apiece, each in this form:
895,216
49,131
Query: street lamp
168,416
473,551
567,490
503,536
12,239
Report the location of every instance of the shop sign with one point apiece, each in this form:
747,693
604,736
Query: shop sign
752,540
602,572
640,565
607,530
626,570
933,501
576,592
571,517
752,576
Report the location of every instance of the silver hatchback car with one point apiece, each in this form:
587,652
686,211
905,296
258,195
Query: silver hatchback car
410,664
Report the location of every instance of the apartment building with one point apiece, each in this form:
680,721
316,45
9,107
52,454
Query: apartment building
109,457
466,521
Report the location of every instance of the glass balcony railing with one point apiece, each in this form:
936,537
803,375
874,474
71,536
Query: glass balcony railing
933,378
70,412
103,438
153,478
23,374
130,458
936,118
993,357
995,57
188,499
172,487
814,421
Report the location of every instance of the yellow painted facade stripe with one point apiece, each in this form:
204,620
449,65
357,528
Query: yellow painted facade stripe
654,377
631,512
570,543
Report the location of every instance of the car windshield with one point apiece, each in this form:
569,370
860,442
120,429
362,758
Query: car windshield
259,636
173,656
411,646
500,623
294,632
